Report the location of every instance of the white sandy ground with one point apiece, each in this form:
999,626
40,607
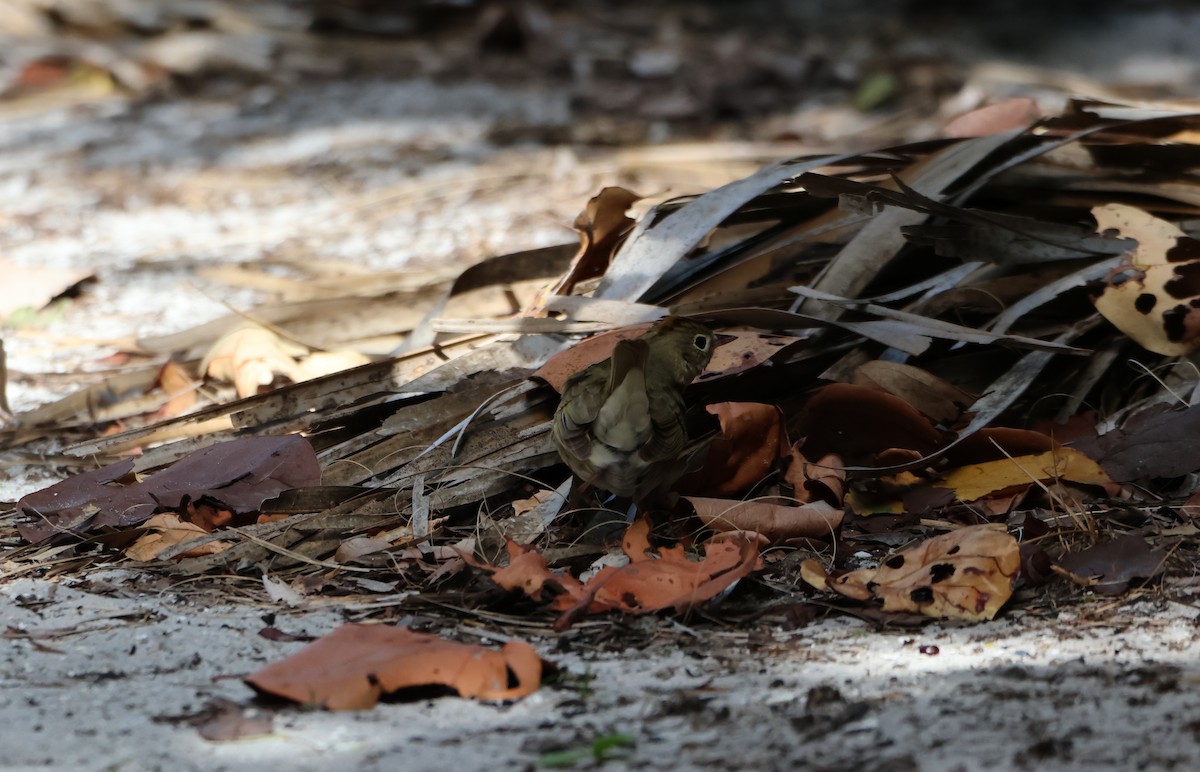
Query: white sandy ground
144,195
1116,689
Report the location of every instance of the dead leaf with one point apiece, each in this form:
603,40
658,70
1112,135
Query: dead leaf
167,530
776,522
356,664
860,423
938,399
741,350
824,479
670,581
1153,295
1014,113
965,574
973,482
34,287
653,580
602,225
180,388
239,474
1155,442
997,442
251,358
1109,568
746,451
584,354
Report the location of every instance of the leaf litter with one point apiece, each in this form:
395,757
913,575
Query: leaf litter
903,318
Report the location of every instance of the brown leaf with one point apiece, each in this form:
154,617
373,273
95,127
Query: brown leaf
180,388
746,451
1154,442
167,530
997,442
239,474
653,579
1009,114
776,522
670,581
965,574
1109,568
938,399
356,664
824,479
860,423
602,226
584,354
741,350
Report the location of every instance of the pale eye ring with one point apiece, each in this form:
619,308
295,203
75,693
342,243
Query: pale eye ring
700,342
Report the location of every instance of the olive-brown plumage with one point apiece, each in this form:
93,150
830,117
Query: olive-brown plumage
620,425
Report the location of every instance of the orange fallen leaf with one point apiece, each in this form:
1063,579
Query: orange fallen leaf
776,522
745,452
356,664
964,574
671,581
653,580
975,481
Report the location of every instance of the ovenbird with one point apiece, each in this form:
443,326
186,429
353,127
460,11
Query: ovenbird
620,425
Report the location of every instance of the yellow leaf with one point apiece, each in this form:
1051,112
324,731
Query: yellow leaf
1149,296
978,480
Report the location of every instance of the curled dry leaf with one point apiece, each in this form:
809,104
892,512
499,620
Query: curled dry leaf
167,530
824,479
776,522
746,451
973,482
251,358
860,424
965,574
602,226
352,667
1153,296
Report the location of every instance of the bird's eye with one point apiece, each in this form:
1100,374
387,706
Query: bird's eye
700,342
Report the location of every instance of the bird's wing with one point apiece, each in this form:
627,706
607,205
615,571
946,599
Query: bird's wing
582,397
623,422
670,430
